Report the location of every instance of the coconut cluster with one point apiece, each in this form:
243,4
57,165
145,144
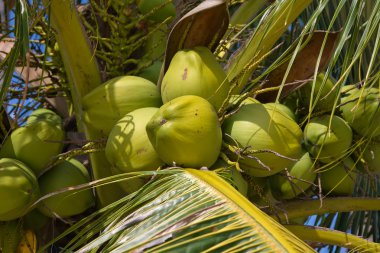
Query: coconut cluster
268,147
26,173
267,151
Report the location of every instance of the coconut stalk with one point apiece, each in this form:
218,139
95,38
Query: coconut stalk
302,208
333,237
83,75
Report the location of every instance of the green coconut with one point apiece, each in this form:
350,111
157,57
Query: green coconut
283,108
327,142
339,178
234,100
108,103
258,128
18,189
46,115
295,103
231,175
371,156
128,147
301,177
323,93
66,174
34,144
347,90
195,72
361,109
186,132
164,10
152,72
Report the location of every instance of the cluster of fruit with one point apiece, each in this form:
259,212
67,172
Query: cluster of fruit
24,158
267,142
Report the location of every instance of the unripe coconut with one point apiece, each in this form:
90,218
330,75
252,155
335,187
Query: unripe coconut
301,177
258,127
128,147
18,189
283,108
68,173
186,132
347,90
361,109
34,144
165,10
235,99
339,178
46,115
232,176
327,142
108,103
295,104
324,93
195,72
371,156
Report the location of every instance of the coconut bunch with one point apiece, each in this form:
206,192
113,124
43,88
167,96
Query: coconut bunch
183,129
26,173
340,131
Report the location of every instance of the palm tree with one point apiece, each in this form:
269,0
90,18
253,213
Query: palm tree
55,52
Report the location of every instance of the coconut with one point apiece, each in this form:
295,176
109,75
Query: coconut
273,137
231,175
195,72
283,108
128,147
361,109
186,132
323,94
46,115
234,99
108,103
339,178
164,10
34,144
295,104
327,142
300,177
371,156
18,189
66,174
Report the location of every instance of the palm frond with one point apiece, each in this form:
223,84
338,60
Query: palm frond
183,211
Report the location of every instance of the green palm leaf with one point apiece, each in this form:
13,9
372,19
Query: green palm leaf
184,211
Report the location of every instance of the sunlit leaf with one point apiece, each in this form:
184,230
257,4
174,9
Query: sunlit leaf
188,211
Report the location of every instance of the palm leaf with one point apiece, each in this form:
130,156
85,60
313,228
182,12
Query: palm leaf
20,48
183,211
